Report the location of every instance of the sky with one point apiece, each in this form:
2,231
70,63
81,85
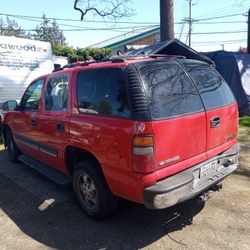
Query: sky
217,24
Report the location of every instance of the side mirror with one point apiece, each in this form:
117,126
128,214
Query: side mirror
10,105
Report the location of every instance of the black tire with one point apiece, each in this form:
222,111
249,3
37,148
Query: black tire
12,148
92,192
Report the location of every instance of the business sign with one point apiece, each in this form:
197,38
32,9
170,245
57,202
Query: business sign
21,61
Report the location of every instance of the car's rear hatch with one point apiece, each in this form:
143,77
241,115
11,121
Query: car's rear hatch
193,113
221,108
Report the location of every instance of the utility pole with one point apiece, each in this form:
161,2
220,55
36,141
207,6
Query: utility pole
167,19
190,23
248,33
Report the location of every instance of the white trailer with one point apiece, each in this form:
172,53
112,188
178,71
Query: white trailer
21,61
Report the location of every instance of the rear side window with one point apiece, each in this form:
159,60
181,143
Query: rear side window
213,89
169,91
103,92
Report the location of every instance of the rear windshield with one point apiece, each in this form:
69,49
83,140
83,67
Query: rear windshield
213,89
170,93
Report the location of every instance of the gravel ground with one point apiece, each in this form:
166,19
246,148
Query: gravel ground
35,213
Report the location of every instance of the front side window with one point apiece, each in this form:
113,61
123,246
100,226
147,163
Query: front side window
169,91
213,89
56,93
31,97
103,91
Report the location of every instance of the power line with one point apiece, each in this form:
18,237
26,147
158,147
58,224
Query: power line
74,26
230,9
136,31
218,17
75,20
219,42
219,32
145,25
220,22
121,22
39,19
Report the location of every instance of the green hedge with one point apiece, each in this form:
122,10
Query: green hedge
81,54
244,121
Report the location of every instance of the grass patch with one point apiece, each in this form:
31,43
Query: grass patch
244,121
244,134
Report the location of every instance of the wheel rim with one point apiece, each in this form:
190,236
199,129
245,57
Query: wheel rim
87,190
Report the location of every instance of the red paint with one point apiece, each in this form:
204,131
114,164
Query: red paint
182,137
217,137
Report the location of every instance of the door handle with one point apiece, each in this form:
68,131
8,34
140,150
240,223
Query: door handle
33,122
215,122
60,127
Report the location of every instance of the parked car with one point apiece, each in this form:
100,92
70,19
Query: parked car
156,131
6,107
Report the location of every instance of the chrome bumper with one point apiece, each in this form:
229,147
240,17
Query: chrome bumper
191,182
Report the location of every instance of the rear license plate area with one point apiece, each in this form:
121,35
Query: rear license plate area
208,170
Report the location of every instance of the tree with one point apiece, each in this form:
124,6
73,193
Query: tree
119,8
113,9
49,32
2,27
11,28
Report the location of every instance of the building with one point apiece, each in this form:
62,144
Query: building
132,40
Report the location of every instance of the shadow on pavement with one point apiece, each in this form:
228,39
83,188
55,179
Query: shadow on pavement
243,170
64,226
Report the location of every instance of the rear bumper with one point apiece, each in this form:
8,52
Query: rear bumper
193,181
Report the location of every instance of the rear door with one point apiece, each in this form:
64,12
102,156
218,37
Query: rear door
220,105
178,117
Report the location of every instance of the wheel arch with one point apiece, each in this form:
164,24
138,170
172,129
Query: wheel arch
5,129
74,155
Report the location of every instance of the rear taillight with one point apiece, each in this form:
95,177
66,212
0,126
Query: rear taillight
143,154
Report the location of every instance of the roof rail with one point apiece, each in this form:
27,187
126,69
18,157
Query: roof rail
117,59
144,55
166,56
87,63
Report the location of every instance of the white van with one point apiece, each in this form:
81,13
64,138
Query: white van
21,61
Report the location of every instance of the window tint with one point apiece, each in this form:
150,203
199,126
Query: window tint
169,91
213,89
56,94
103,91
31,97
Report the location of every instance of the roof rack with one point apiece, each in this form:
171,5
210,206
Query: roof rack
166,56
87,63
117,59
145,55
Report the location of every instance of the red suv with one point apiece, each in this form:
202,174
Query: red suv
157,131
